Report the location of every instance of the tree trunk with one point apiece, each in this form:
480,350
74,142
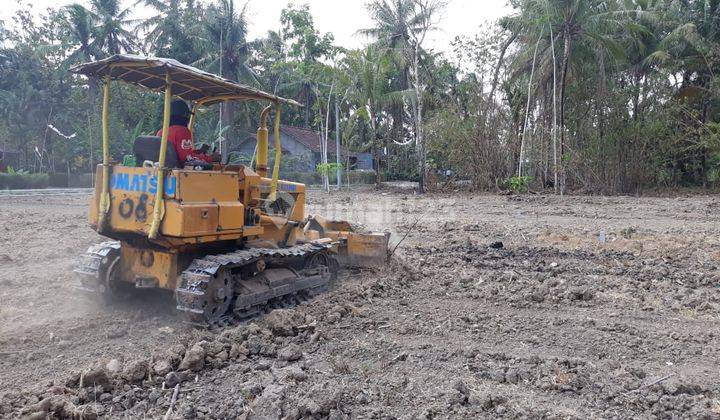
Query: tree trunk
498,65
337,144
308,104
600,109
326,174
622,147
398,110
527,110
420,148
228,120
374,143
554,123
563,83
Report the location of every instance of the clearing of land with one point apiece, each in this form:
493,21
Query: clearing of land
492,306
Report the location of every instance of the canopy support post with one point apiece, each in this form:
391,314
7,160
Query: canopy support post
104,203
261,146
158,208
191,123
278,154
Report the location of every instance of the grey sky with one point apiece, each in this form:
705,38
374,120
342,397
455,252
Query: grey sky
341,17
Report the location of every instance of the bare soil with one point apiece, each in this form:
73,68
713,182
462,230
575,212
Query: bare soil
555,323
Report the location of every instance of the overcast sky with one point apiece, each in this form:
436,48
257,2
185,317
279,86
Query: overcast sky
341,17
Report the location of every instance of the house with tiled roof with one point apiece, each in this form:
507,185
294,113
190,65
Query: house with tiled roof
303,145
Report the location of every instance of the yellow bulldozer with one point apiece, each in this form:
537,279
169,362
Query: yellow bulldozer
229,240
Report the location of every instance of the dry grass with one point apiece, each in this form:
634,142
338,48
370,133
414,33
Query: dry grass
715,406
688,312
561,377
355,311
340,366
628,232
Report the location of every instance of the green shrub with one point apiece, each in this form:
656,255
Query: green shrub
518,184
15,181
328,168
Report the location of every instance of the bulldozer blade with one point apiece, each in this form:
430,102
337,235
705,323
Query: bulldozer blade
324,225
366,249
362,250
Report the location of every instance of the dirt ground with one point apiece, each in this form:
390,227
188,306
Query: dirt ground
552,323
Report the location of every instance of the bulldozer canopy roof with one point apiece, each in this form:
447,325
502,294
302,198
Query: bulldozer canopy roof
188,82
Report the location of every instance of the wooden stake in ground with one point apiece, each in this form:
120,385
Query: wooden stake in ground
176,391
655,382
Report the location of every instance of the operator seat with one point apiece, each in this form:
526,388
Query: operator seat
148,148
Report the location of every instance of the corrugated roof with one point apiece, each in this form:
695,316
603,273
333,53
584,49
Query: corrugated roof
188,82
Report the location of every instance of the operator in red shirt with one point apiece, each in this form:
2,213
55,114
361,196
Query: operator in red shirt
181,137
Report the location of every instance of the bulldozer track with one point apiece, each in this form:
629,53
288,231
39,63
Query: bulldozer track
239,316
91,265
246,297
198,286
192,290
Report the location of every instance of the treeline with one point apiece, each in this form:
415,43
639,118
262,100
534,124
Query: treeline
614,96
600,96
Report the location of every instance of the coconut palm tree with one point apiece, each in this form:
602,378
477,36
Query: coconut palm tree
112,35
170,32
363,76
400,28
225,51
306,46
80,30
581,29
395,21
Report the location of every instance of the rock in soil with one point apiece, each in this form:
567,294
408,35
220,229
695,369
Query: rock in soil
267,405
194,359
284,322
290,353
136,371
